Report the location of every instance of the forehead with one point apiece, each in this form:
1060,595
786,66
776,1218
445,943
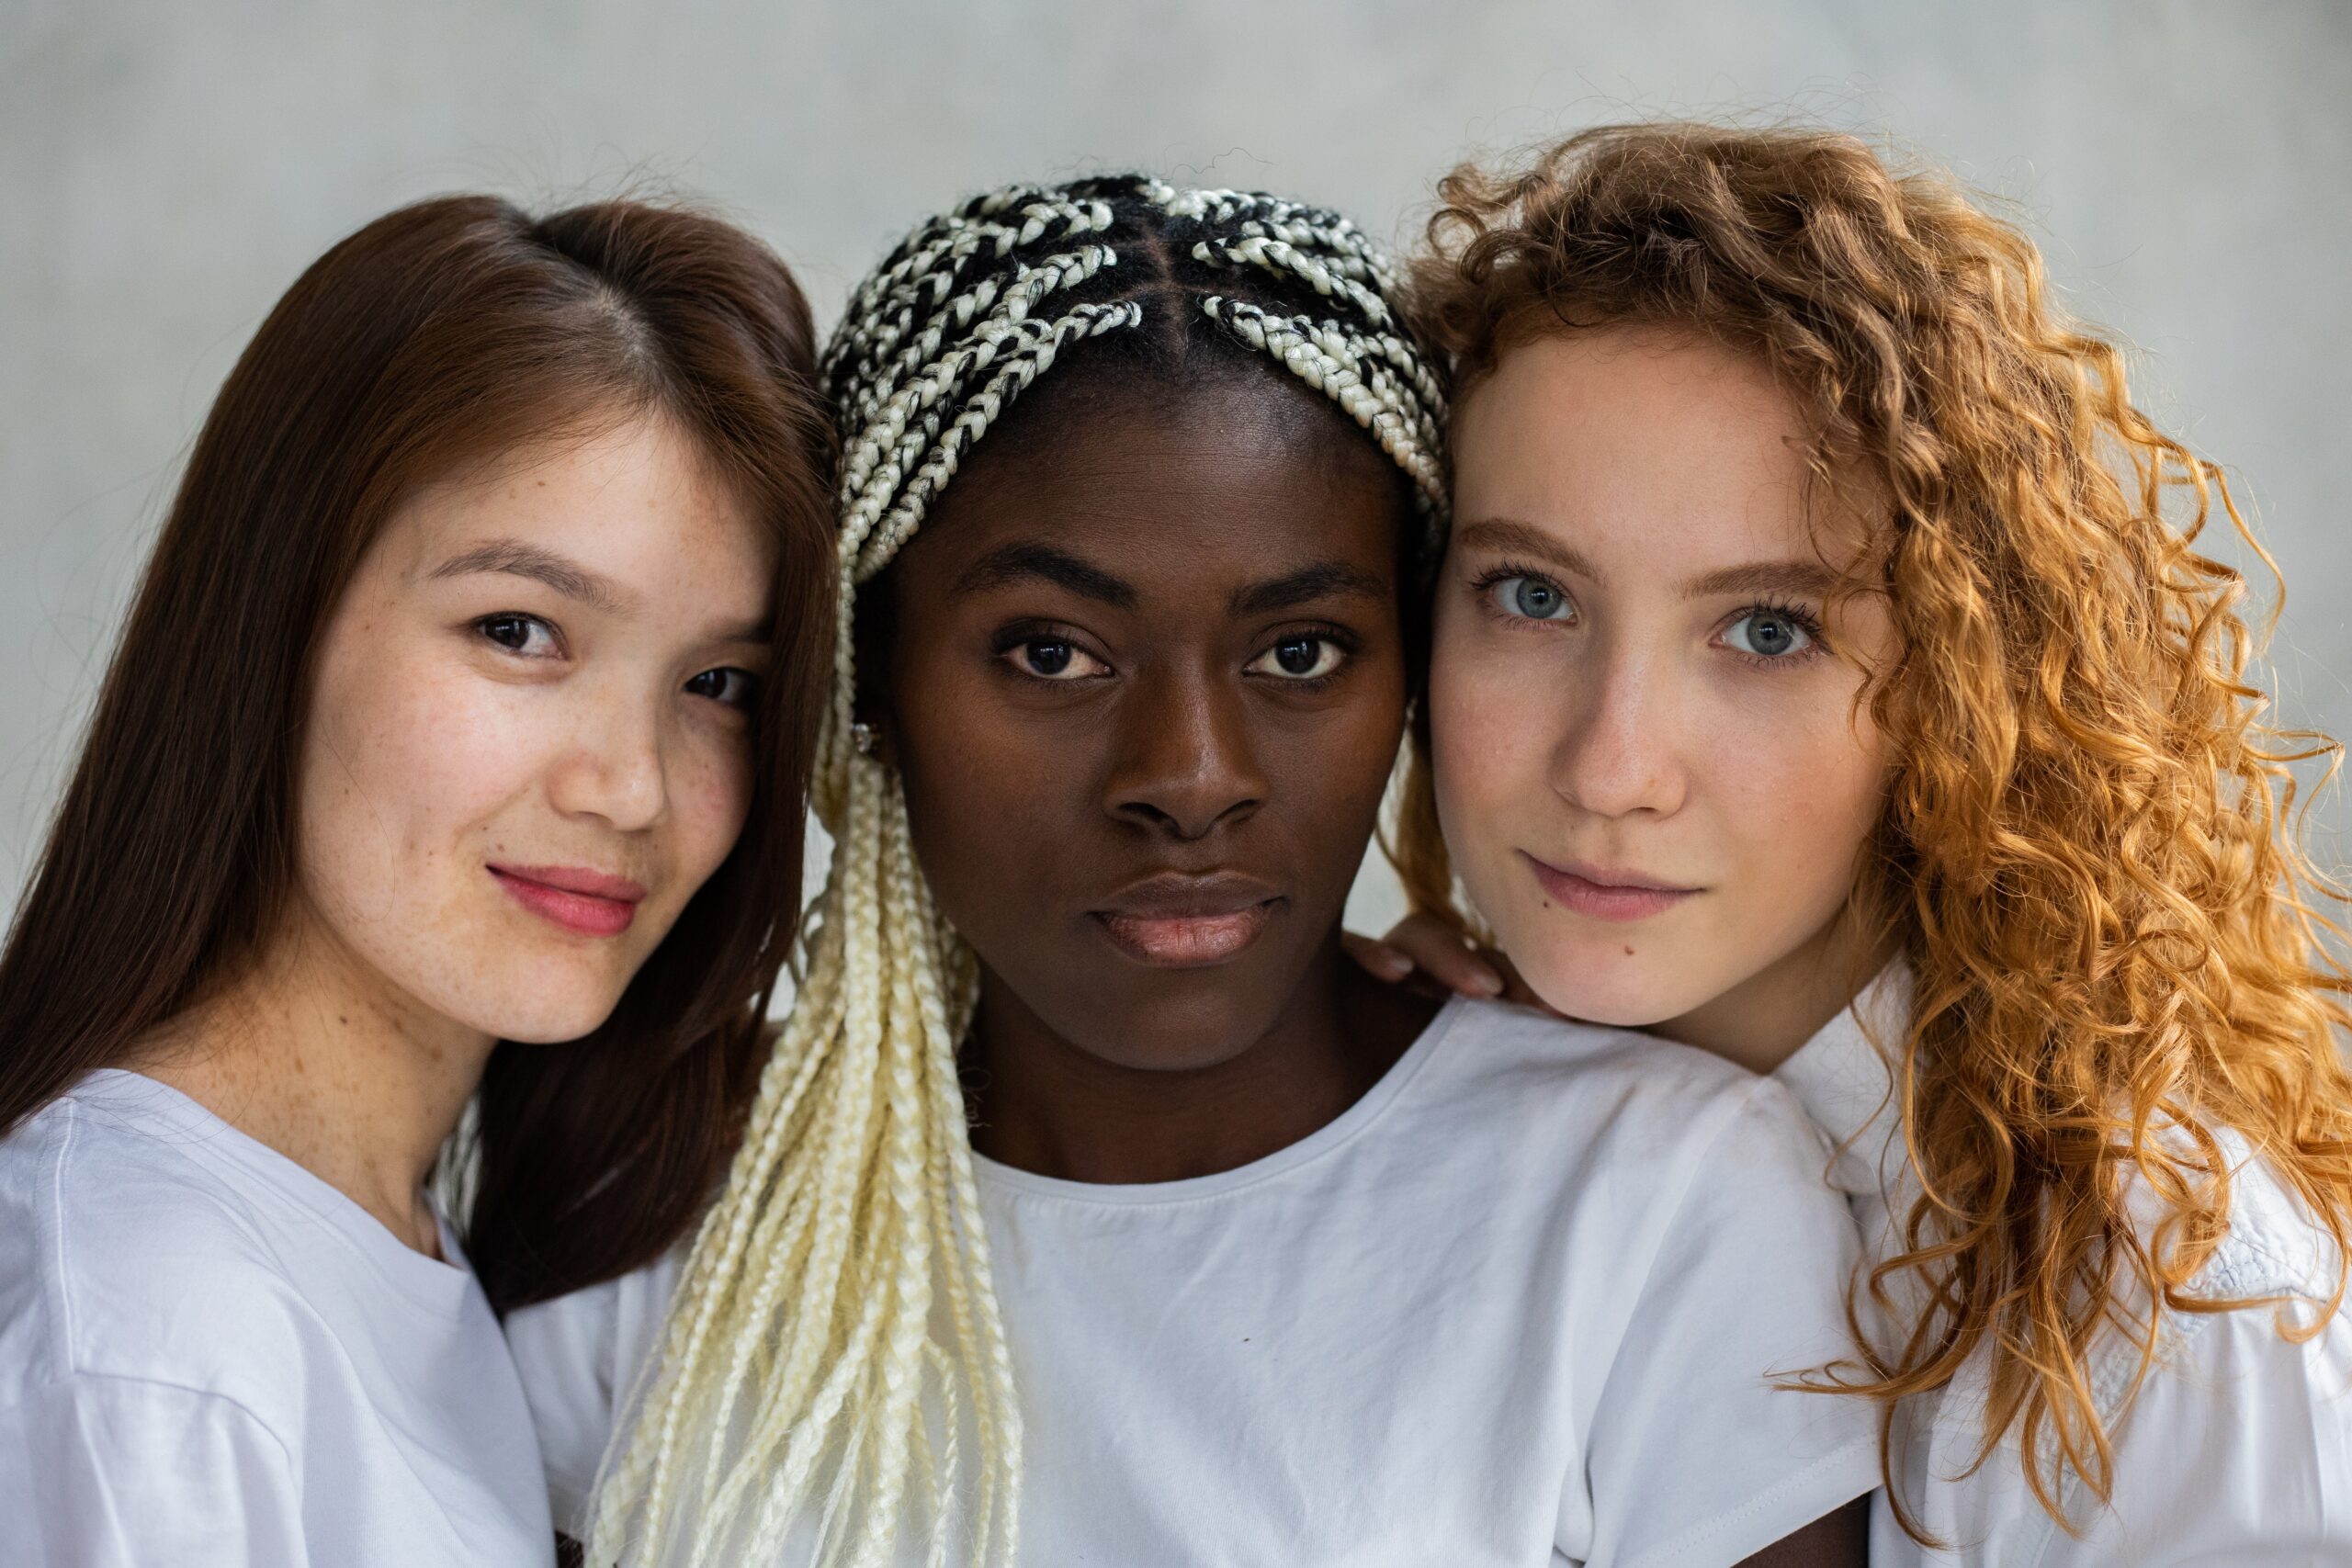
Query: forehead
1233,480
639,501
1643,441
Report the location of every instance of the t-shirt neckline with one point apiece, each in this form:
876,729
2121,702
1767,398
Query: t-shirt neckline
1340,1129
439,1284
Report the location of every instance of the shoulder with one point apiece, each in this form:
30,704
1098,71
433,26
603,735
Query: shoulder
1609,1133
1615,1089
579,1357
123,1257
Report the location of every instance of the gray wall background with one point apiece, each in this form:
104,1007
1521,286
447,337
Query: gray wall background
166,170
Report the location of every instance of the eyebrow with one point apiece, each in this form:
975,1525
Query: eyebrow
1027,561
1504,534
1800,579
1325,579
1507,535
515,559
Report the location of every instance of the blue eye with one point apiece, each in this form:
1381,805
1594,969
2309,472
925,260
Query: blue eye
1531,598
1769,633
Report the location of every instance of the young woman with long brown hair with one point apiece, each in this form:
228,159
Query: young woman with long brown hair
453,752
1825,673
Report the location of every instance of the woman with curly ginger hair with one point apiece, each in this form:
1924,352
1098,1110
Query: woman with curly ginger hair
1894,737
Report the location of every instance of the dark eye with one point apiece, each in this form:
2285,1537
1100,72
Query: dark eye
732,686
1054,659
1769,633
517,633
1531,598
1299,659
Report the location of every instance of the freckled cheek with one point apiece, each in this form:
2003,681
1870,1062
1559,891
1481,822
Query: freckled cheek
405,758
1799,791
1491,731
712,792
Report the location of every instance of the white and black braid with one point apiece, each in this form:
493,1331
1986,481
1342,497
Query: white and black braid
804,1381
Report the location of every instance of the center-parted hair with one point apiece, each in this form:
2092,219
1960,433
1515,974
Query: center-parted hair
808,1372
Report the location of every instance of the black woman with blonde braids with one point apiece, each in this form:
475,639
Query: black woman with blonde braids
1095,1208
1826,674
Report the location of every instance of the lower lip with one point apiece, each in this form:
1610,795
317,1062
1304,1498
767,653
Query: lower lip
1601,901
1189,941
583,913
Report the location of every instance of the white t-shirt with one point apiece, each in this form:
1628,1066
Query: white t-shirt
2237,1452
208,1356
1522,1303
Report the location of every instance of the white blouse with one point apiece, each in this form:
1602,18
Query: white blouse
2237,1452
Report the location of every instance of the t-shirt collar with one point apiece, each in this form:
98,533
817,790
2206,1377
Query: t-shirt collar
1841,1078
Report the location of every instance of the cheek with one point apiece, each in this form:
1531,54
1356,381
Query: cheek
405,756
995,796
711,795
1800,782
1491,726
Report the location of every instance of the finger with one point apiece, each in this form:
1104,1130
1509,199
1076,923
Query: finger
1378,958
1439,951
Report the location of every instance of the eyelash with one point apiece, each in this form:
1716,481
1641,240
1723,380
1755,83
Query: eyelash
1485,583
1816,644
1346,641
482,624
749,683
1014,638
1803,619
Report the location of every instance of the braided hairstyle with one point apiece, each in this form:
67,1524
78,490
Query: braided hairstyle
800,1377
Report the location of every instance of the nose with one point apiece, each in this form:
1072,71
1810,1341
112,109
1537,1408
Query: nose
1185,763
1621,754
617,768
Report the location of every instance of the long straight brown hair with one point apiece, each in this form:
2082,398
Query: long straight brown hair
439,336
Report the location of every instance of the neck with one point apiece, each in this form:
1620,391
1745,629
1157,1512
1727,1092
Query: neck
1761,1023
1046,1104
312,1053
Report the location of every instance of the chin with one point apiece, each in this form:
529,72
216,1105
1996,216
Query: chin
1170,1029
1593,981
541,1009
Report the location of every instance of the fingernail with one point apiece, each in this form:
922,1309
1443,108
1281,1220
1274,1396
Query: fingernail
1490,983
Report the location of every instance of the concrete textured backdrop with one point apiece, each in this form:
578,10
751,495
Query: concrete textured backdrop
166,170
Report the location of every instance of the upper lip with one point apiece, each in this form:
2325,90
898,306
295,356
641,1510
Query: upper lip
579,879
1612,876
1188,896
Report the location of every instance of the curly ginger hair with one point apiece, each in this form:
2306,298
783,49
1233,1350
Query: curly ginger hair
2089,854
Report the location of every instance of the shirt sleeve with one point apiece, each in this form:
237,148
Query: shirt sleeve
2236,1453
579,1357
1697,1458
117,1472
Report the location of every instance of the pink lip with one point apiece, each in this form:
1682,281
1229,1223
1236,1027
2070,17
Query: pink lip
591,903
1605,893
1179,920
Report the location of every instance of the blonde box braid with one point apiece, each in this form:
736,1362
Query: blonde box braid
802,1377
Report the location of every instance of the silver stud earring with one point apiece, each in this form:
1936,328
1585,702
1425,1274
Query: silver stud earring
861,735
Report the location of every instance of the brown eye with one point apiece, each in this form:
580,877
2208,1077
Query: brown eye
732,686
1053,659
1299,659
526,634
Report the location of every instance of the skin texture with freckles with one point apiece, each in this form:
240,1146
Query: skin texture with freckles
1163,558
527,678
1652,770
